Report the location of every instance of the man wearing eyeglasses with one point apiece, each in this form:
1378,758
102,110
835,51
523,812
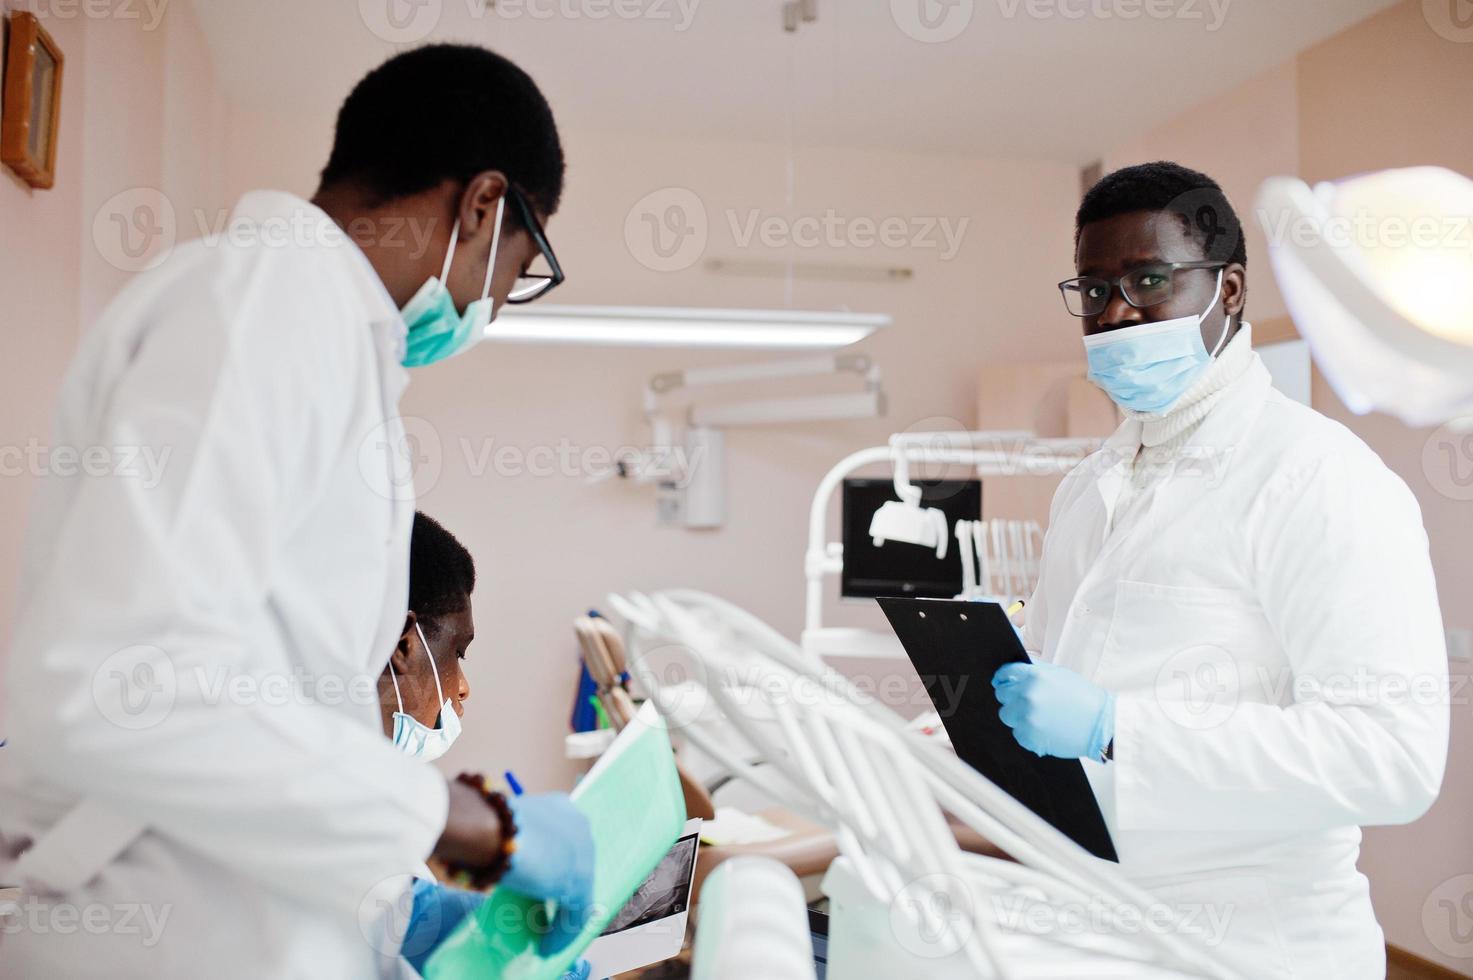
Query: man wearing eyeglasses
196,769
1236,628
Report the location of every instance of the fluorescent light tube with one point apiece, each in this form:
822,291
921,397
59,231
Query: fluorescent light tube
656,326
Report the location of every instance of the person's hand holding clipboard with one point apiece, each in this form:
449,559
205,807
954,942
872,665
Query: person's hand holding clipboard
961,650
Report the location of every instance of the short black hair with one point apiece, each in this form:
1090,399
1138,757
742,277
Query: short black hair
446,112
441,573
1164,186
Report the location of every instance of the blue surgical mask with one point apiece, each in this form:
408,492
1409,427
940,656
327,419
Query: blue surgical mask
436,330
1147,368
414,737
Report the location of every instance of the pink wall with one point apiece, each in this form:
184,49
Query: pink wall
39,281
127,122
124,147
1381,94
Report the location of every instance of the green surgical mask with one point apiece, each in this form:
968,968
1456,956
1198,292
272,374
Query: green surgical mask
436,330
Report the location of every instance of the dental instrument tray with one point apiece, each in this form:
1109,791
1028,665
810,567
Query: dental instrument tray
956,647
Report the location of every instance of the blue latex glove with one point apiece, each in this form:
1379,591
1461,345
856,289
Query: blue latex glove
579,971
1054,711
553,862
438,909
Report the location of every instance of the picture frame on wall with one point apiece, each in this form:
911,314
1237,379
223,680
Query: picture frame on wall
30,114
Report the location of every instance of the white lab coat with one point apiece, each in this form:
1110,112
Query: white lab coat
262,816
1280,553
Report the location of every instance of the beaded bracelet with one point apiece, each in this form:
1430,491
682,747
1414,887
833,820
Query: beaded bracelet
481,879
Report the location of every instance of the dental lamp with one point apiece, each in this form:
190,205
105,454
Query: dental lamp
1377,272
905,519
909,522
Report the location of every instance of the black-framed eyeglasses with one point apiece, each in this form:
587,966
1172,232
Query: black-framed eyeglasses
1145,285
544,273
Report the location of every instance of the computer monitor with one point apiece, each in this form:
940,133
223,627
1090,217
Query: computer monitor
897,568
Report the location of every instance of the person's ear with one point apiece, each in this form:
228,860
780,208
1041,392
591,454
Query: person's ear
400,659
479,200
1234,289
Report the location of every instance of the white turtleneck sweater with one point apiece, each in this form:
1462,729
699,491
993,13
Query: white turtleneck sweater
1164,435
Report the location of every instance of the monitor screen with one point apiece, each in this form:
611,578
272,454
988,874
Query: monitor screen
898,568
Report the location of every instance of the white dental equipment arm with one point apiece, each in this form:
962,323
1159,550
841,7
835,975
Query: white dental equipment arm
815,408
689,470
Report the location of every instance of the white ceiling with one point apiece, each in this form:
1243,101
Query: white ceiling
1022,78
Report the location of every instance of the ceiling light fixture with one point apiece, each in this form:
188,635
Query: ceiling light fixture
694,327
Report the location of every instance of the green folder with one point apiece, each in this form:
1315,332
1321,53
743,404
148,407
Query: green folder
633,800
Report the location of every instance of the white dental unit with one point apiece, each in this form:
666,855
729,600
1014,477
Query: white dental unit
991,454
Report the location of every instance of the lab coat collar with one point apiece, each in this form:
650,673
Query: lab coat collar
1110,467
1124,441
277,217
1114,458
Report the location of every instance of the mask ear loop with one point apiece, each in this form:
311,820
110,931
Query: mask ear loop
495,243
1227,320
450,253
434,668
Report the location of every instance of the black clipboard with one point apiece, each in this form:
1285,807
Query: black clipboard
956,647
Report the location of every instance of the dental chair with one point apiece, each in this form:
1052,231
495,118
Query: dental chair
807,849
906,900
721,625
